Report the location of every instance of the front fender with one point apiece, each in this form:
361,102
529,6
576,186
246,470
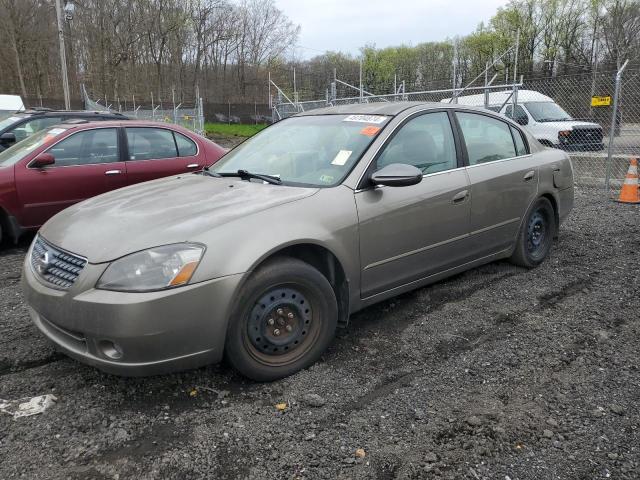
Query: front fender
328,219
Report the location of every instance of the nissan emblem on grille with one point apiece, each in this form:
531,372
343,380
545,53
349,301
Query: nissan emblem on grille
42,263
55,266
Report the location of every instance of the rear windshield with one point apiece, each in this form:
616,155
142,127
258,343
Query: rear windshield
17,152
317,150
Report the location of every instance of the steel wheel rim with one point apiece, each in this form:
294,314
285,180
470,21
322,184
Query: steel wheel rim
537,233
281,348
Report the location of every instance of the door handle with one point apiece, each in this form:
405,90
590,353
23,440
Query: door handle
529,175
113,172
555,168
193,165
460,196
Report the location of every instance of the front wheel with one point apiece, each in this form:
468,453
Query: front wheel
536,235
285,318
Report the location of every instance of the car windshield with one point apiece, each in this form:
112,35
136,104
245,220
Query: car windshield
17,152
547,112
6,122
316,150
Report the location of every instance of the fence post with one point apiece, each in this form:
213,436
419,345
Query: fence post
173,99
612,131
202,119
486,82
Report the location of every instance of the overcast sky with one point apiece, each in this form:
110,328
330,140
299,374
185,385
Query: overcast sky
347,25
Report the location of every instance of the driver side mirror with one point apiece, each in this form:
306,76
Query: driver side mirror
397,175
523,120
43,160
7,138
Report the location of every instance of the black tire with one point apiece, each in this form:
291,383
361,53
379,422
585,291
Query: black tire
295,299
536,235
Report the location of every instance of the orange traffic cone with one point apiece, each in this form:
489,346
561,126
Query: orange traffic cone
630,192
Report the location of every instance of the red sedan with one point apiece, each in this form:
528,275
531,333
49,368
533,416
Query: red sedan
73,161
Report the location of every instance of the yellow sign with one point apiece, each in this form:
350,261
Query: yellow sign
601,101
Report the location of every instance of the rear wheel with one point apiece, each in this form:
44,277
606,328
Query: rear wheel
285,318
536,235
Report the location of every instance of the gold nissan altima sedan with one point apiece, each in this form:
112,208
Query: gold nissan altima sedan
261,256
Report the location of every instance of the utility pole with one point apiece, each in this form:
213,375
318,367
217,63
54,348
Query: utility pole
361,91
63,56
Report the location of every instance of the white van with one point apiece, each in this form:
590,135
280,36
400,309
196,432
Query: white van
10,104
544,118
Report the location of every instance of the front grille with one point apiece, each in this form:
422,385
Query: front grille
55,266
582,136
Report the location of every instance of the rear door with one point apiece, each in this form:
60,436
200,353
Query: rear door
155,152
87,163
503,177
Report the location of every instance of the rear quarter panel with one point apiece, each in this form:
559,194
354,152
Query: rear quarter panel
556,179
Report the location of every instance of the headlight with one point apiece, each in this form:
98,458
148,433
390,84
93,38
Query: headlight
563,135
158,268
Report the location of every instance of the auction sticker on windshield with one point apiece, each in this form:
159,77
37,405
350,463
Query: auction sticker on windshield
342,157
370,131
377,119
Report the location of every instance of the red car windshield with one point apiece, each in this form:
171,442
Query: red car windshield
17,152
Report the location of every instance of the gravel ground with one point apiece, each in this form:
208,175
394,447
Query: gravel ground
498,373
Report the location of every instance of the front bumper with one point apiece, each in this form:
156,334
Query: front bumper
133,334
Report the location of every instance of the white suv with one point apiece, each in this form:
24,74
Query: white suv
544,118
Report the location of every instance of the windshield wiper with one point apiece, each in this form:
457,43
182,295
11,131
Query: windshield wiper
246,175
209,173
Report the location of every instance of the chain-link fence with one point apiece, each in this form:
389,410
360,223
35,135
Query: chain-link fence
595,118
597,122
188,115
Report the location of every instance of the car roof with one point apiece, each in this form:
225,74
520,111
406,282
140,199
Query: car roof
390,108
378,108
82,124
83,113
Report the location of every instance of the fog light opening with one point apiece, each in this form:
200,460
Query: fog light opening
110,349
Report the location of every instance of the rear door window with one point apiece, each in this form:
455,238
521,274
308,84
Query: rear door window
521,146
87,147
150,143
186,146
487,139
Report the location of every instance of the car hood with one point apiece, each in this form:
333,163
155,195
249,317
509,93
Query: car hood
160,212
569,125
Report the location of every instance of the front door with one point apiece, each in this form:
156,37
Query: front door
408,233
504,180
87,163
